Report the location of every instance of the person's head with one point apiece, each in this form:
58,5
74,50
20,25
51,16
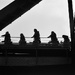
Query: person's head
7,32
65,37
35,30
21,34
52,32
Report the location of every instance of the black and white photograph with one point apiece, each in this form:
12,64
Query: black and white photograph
37,37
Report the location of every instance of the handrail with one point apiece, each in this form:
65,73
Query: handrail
30,37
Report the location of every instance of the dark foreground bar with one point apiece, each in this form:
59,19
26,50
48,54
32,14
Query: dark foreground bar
34,50
32,55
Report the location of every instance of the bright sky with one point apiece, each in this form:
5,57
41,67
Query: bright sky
73,5
46,16
4,3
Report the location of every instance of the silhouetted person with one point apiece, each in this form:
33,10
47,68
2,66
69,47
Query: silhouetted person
22,39
36,36
7,39
66,42
53,37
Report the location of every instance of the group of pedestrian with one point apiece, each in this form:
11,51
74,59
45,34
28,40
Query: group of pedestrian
37,40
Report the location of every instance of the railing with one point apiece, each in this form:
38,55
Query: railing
43,46
33,52
29,39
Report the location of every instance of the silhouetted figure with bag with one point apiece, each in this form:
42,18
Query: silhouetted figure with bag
7,39
36,37
66,42
22,39
54,39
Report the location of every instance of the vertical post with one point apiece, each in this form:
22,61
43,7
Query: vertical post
70,7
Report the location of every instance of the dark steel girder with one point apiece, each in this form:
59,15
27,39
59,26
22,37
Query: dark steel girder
14,10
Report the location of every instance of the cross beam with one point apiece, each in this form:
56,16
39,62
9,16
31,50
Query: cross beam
14,10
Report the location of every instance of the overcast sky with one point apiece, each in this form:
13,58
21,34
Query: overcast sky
47,16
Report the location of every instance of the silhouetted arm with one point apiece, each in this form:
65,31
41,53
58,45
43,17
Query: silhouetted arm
2,35
32,36
49,36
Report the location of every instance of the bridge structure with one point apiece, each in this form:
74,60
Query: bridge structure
13,11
